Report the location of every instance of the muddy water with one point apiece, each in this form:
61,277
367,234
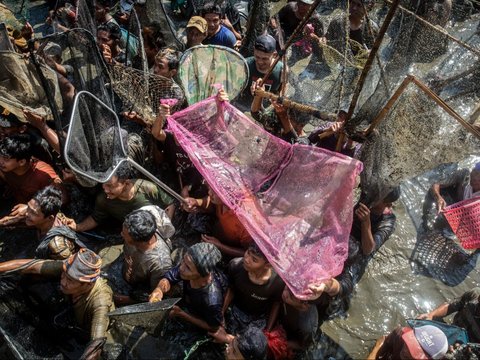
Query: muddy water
395,286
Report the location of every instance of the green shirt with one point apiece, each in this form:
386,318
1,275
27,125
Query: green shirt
146,193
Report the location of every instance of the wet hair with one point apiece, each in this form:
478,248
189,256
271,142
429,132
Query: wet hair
252,343
212,8
17,147
172,56
393,195
125,172
141,225
255,250
113,29
49,199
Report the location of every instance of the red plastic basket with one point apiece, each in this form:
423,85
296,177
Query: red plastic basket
464,219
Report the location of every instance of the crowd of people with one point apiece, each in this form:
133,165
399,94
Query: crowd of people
197,249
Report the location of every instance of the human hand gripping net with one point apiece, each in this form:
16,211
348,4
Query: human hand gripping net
96,144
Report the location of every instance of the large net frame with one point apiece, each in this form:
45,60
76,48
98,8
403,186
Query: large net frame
21,87
201,67
420,41
77,51
96,145
301,226
142,91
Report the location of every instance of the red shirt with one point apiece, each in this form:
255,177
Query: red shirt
229,229
23,187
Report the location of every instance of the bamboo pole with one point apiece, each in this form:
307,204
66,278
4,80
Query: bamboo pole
367,67
291,38
446,107
296,106
386,109
438,28
412,79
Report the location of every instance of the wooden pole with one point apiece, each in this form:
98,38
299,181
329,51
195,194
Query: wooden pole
386,109
296,106
367,67
412,79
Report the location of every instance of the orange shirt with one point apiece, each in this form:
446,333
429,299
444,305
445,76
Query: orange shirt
23,187
229,229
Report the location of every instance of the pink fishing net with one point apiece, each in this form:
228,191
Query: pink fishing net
302,222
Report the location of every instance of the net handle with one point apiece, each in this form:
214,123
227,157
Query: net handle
156,180
323,115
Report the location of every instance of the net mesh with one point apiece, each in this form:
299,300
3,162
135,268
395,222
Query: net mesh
203,66
95,143
142,91
302,227
20,85
416,135
83,63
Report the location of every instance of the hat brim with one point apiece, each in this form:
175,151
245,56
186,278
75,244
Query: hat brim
198,27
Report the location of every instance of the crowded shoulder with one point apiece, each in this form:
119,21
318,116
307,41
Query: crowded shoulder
172,188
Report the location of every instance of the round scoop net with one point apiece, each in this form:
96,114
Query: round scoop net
96,145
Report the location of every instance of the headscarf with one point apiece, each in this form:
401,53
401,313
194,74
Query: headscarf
83,266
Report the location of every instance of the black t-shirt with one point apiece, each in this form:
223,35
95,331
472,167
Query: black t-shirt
289,21
249,297
300,325
179,160
205,303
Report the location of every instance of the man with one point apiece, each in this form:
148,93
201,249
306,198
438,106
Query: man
229,235
121,195
467,315
196,31
217,33
404,343
372,226
463,185
290,17
146,253
360,36
255,290
102,12
249,344
203,287
264,53
80,281
57,241
11,125
109,36
23,175
167,62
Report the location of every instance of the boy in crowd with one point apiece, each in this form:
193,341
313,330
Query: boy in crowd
121,195
255,291
217,33
146,252
20,172
196,31
80,281
203,287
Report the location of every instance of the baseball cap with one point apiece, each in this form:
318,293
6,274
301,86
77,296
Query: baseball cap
265,43
308,2
432,340
8,119
199,23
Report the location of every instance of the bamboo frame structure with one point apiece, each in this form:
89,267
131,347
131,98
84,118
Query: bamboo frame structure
410,79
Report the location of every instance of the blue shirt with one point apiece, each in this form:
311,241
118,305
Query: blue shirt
224,37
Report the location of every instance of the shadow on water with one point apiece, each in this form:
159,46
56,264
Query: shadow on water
438,256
